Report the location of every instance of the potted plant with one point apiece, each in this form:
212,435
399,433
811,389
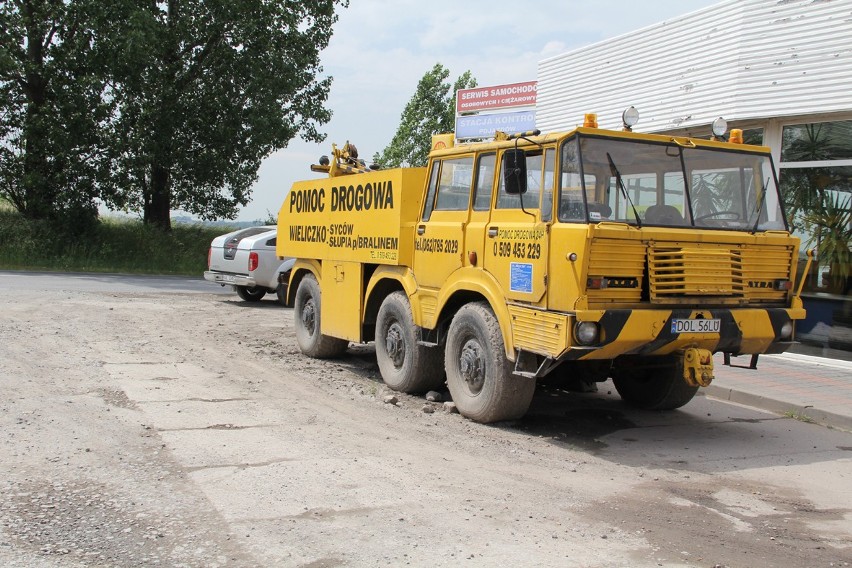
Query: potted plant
830,224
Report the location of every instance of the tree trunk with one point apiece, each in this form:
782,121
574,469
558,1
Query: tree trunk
158,200
38,187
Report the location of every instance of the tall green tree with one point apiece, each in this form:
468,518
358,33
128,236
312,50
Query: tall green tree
52,106
431,110
205,90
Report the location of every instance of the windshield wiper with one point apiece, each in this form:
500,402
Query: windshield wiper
760,205
620,184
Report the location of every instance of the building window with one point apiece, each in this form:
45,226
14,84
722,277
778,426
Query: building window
816,182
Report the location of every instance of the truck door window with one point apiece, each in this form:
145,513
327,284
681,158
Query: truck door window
484,182
454,184
430,195
534,183
547,184
571,205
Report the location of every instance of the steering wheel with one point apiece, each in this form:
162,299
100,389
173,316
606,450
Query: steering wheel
733,215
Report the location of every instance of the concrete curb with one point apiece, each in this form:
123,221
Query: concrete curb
780,407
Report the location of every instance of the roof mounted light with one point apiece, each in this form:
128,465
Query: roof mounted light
629,118
720,127
590,120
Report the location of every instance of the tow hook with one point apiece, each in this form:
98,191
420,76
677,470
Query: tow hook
697,367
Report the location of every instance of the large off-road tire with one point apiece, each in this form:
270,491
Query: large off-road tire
251,294
654,387
405,365
307,322
479,376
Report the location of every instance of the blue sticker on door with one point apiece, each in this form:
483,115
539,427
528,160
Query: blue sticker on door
520,277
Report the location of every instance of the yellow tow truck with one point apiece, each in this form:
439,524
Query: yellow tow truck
588,254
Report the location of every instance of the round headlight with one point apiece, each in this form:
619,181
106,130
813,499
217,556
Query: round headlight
720,126
630,117
586,332
787,330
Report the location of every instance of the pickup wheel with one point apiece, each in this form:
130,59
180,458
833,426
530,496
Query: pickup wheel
657,387
307,322
251,294
479,375
405,365
281,294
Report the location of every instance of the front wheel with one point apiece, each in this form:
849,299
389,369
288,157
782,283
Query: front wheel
308,324
251,294
405,365
479,376
654,387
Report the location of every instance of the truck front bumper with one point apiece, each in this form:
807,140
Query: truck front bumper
657,332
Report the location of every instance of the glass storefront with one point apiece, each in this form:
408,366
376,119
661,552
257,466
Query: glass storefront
816,185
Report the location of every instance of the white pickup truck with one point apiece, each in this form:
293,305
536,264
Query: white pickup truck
246,261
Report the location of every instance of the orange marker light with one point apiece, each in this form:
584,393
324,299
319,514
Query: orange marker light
736,136
590,120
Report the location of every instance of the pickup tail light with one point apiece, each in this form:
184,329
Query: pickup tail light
209,256
253,261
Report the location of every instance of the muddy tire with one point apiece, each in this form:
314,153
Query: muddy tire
479,376
405,365
307,322
658,387
251,294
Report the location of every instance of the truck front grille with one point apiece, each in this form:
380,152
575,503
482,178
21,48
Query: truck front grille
717,271
688,273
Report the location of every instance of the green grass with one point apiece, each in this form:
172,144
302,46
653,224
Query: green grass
110,245
798,416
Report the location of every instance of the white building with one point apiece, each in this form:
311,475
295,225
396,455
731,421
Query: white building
781,70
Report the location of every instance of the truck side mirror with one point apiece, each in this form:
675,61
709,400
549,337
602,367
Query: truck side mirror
515,171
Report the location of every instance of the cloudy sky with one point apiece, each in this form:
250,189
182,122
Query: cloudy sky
381,49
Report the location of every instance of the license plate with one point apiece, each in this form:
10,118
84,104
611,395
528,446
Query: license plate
228,278
696,326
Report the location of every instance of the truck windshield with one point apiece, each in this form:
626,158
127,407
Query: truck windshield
657,184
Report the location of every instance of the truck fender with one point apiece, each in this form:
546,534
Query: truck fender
383,281
298,270
466,280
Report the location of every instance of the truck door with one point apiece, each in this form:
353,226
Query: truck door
480,214
516,247
439,242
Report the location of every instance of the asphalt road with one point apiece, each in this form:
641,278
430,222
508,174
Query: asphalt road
94,282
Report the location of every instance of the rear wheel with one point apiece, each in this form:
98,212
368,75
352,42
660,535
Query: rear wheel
479,376
252,293
307,323
281,294
405,365
654,387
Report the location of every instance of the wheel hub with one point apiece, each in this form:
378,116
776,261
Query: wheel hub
309,316
472,366
395,345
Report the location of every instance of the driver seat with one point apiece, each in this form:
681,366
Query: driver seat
664,215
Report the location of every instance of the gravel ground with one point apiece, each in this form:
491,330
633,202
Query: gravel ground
187,430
